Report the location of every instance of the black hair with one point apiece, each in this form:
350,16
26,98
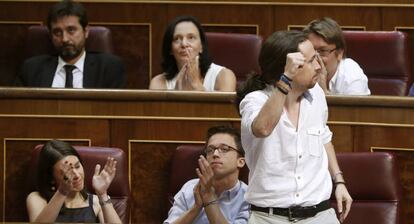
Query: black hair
272,61
67,8
328,29
50,154
224,129
169,64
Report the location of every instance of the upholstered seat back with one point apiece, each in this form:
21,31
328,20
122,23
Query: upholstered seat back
38,40
383,55
183,165
373,182
119,189
238,52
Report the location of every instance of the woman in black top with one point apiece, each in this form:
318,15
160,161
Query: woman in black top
61,195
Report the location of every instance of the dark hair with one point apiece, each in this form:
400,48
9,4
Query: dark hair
272,60
50,154
169,64
67,8
328,29
224,129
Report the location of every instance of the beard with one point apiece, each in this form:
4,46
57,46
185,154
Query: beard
68,51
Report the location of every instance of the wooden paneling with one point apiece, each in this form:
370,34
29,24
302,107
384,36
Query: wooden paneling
149,125
12,38
17,151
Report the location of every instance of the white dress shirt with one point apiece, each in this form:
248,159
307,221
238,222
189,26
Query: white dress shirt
290,166
349,79
209,79
60,74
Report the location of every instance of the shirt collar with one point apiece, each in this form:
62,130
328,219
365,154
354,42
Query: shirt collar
79,64
308,95
334,78
232,192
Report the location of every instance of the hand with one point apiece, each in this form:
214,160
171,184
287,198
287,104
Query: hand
323,78
65,184
294,62
343,198
197,197
102,179
193,68
182,83
206,175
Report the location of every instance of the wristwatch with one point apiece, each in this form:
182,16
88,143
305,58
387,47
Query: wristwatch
103,203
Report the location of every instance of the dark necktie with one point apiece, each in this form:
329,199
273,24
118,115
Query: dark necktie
69,75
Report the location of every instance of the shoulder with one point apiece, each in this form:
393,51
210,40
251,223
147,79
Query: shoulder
103,56
258,94
34,194
158,82
349,65
187,190
253,101
243,186
35,198
190,184
225,80
226,73
352,71
39,59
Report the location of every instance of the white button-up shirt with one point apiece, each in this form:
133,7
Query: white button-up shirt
290,166
60,74
349,79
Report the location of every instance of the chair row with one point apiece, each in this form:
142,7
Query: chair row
372,179
383,55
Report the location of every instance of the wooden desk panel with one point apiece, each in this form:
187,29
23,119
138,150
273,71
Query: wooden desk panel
149,125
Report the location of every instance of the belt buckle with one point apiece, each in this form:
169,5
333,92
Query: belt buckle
290,215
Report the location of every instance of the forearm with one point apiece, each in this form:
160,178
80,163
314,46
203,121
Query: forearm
214,214
108,210
269,115
51,211
333,165
189,216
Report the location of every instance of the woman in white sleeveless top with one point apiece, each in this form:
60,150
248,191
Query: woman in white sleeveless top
186,63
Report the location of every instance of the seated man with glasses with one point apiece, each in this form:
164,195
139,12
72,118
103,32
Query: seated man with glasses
217,196
339,75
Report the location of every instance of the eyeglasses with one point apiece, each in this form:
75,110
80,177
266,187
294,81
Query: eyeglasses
325,52
222,149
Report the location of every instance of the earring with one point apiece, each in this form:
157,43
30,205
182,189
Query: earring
53,188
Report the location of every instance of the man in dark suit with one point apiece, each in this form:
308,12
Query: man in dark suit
73,67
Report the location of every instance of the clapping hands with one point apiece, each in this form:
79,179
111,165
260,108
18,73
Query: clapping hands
103,178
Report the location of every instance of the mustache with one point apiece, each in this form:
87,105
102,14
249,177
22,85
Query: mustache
67,45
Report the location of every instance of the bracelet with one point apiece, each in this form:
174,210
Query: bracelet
283,87
284,91
216,201
108,201
284,75
285,79
339,182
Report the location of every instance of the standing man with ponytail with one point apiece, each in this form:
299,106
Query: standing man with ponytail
288,145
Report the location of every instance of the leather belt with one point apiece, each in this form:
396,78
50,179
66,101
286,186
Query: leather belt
296,212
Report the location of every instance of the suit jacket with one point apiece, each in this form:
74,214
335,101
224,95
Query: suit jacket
100,71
